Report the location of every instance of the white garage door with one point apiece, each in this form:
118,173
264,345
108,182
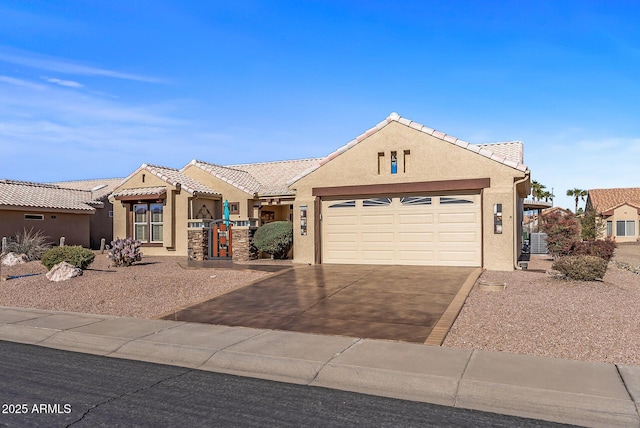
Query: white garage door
404,230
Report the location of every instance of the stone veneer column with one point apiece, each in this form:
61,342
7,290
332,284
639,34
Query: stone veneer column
243,248
198,243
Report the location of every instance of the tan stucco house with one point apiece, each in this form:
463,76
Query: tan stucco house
619,209
400,193
160,205
78,211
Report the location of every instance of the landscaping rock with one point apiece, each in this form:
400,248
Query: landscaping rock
63,271
10,259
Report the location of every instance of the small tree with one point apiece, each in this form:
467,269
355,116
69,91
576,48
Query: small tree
562,231
593,227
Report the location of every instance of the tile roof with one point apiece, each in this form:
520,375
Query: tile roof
274,176
100,187
507,153
49,196
606,199
513,150
174,177
264,178
141,191
235,177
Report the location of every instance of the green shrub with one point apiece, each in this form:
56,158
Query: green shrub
74,254
32,244
581,268
275,238
124,252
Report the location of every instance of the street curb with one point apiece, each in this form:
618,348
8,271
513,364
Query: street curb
565,391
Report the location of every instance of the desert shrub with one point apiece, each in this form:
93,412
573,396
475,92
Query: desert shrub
562,232
124,252
275,238
73,254
581,268
603,248
32,244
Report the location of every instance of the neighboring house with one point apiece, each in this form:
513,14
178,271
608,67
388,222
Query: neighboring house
401,193
55,210
101,223
619,209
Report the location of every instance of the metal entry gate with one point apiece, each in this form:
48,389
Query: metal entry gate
220,241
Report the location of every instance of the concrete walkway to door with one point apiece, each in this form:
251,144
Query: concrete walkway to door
401,303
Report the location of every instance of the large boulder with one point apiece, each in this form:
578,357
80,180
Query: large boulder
10,259
63,271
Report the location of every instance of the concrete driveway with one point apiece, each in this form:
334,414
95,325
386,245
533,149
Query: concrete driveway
401,303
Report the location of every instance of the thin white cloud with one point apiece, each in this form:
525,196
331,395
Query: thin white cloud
20,82
42,62
61,82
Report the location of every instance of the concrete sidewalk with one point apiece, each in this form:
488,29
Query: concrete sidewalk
581,393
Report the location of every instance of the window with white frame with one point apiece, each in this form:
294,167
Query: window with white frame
148,222
625,228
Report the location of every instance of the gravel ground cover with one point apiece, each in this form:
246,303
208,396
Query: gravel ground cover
539,314
152,288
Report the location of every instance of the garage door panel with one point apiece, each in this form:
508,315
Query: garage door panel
342,237
374,237
414,256
378,256
342,220
415,218
458,237
457,218
376,220
403,233
342,254
405,237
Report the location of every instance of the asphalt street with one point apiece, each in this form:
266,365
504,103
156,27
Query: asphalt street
43,387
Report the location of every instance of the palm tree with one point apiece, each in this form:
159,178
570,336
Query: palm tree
577,193
537,190
547,195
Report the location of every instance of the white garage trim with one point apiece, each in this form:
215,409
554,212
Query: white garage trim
403,230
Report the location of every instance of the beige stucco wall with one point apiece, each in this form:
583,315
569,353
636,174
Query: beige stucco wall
101,225
430,159
175,214
625,212
74,227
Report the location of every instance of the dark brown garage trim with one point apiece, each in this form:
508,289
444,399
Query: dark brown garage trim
422,186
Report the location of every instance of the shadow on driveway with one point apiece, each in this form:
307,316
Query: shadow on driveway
401,303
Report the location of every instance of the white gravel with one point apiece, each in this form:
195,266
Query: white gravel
539,314
150,289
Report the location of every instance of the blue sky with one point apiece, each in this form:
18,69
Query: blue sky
93,89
